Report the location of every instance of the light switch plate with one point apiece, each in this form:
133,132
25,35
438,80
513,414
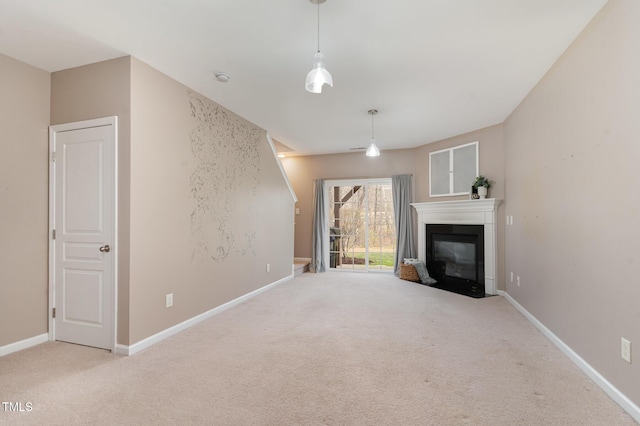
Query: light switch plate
625,350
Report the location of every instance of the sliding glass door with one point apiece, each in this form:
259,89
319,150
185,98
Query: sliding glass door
361,225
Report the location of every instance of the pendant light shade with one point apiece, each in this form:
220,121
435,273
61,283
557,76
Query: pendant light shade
373,150
318,76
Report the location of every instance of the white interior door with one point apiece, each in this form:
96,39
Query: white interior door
83,206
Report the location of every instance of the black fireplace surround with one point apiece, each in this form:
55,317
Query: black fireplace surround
455,258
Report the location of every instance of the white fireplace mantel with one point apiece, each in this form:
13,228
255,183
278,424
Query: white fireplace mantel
463,212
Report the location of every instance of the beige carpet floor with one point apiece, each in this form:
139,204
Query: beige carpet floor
321,349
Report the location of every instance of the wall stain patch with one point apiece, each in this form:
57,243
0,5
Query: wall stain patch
224,182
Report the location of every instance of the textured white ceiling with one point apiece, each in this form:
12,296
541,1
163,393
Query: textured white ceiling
433,68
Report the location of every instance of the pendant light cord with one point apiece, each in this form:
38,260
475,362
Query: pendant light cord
318,26
372,112
373,137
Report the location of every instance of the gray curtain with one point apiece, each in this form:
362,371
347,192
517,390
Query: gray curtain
319,236
402,190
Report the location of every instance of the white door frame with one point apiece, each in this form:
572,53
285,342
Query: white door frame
99,122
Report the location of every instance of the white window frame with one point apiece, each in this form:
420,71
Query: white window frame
451,173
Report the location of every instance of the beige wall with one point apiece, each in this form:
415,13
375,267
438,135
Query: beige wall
303,170
94,91
209,205
24,120
572,150
203,206
206,244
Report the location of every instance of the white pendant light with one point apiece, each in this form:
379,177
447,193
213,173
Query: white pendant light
318,76
373,150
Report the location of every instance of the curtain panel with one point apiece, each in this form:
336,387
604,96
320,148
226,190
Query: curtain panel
402,191
319,237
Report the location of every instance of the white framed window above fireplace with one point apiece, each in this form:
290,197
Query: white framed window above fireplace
452,170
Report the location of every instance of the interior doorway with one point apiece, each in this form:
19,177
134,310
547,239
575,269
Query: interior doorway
362,234
82,221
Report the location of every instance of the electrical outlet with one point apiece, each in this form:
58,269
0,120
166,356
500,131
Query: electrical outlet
169,300
268,267
625,350
518,279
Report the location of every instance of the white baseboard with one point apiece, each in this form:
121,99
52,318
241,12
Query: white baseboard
613,392
302,259
24,344
152,340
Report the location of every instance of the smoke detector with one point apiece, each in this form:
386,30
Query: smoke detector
222,77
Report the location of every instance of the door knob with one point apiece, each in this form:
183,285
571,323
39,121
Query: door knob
105,249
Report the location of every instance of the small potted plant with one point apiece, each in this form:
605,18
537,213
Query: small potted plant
482,184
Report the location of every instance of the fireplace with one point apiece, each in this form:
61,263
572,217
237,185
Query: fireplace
455,258
463,212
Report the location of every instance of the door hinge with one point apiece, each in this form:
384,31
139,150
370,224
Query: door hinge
53,313
53,156
53,234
